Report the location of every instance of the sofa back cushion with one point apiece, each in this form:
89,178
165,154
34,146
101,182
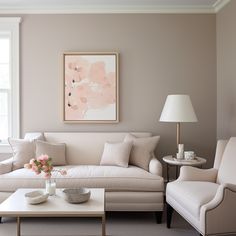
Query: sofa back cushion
57,151
87,148
227,173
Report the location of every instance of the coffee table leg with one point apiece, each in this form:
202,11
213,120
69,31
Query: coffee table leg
18,226
104,225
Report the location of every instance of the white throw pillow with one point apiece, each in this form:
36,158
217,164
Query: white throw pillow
116,154
142,150
57,151
23,151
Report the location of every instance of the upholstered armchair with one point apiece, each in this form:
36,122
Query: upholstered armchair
207,198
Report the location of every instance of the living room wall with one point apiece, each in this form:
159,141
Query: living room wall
160,54
226,75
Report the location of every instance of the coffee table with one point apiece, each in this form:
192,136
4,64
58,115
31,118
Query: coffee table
56,206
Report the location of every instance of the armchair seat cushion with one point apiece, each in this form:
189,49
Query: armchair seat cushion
191,195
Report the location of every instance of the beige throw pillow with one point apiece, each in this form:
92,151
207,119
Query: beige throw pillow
57,151
23,151
142,150
116,154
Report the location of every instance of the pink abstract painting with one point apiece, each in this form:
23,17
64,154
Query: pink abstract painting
90,87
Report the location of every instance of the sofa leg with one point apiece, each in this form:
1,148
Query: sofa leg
158,215
169,212
0,220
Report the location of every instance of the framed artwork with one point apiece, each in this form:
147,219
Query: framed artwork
90,87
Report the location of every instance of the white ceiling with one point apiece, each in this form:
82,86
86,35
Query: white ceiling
111,6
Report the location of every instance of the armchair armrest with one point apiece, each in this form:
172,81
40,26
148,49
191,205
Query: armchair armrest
6,166
189,173
222,209
155,166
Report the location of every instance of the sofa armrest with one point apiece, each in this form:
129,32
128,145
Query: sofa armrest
6,166
155,166
189,173
221,208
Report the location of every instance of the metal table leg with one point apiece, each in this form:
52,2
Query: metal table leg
167,172
18,226
104,225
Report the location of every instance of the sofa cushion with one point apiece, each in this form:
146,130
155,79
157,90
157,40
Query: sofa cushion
57,151
142,150
116,154
23,151
112,178
191,195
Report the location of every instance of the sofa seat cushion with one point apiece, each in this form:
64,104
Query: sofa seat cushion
112,178
191,195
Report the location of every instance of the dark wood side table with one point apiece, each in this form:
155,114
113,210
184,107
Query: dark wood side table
172,161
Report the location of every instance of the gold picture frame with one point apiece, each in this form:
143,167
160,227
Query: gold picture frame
90,87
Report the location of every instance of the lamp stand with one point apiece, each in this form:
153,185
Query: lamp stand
178,134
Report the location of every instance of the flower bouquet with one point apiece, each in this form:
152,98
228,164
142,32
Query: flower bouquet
43,164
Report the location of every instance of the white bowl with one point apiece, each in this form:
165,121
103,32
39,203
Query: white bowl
36,197
76,195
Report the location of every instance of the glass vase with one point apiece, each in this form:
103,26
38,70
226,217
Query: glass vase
50,185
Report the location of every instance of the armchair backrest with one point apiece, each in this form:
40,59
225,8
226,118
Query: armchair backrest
220,148
227,164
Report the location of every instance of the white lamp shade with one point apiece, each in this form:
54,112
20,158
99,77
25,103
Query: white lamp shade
178,108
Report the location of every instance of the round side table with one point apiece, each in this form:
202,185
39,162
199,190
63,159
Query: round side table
172,161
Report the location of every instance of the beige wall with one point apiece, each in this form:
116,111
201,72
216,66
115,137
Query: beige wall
159,55
226,71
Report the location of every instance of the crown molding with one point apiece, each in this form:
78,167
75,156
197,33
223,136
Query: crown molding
111,9
220,4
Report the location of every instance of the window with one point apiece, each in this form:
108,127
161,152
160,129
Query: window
9,78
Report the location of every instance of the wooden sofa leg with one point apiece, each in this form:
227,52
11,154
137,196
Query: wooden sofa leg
169,212
158,215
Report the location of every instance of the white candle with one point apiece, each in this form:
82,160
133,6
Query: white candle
180,151
181,148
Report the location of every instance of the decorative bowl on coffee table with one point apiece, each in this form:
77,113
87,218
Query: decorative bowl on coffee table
36,197
76,195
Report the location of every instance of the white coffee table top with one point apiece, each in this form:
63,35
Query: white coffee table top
16,205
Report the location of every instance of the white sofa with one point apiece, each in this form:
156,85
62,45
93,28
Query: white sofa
207,198
127,189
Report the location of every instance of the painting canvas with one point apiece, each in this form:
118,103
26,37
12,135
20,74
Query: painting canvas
90,87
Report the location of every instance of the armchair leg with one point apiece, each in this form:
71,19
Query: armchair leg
158,215
169,212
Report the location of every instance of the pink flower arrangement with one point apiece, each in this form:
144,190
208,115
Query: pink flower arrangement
41,164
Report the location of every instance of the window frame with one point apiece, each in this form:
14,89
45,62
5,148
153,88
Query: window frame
11,25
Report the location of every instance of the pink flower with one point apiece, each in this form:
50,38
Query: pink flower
27,166
32,161
47,175
63,172
43,157
35,168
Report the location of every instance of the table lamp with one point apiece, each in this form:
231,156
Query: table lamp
178,108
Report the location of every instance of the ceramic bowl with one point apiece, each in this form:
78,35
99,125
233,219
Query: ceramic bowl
36,197
76,195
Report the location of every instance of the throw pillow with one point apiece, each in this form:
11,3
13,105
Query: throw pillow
142,150
116,154
23,151
57,151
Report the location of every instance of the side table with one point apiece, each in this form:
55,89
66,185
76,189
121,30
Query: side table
172,161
